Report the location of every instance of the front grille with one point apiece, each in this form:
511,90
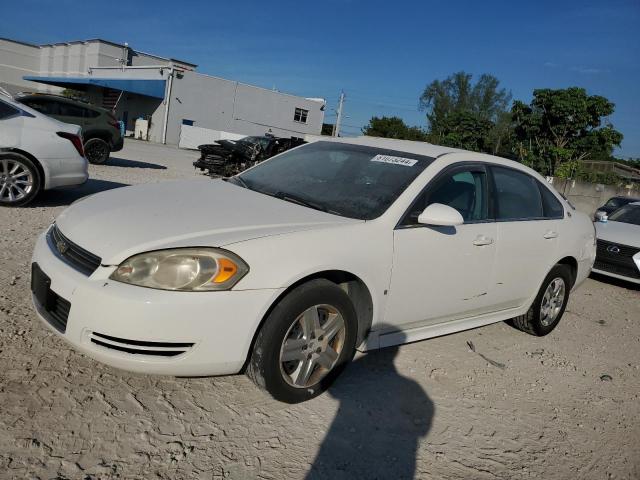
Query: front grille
72,254
140,347
620,263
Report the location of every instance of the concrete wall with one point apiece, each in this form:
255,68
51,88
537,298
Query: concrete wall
17,60
220,104
587,197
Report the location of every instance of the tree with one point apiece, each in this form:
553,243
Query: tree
561,126
392,127
467,115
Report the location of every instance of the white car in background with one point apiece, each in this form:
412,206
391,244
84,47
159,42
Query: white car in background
285,269
36,153
618,253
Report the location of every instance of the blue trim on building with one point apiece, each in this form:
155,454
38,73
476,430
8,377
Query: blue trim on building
149,88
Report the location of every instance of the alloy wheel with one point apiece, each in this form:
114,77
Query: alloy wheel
97,152
16,180
552,301
312,346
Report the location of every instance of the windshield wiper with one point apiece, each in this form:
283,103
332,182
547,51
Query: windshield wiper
237,180
288,197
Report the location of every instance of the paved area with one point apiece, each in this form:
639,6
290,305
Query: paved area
483,404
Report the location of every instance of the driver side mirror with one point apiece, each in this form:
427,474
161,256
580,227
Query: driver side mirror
601,216
440,215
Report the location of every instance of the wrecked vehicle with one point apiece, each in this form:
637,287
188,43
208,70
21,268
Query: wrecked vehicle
226,158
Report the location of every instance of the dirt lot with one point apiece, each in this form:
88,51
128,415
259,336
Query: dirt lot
486,403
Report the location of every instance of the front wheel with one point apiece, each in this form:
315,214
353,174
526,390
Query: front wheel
96,151
548,307
305,342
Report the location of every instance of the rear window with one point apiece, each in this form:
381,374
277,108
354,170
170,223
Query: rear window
7,110
550,204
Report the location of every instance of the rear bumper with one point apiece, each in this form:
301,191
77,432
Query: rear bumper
117,145
65,172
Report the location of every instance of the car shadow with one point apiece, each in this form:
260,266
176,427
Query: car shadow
616,282
379,423
66,196
124,163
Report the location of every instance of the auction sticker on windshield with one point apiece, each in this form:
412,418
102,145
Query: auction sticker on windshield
407,162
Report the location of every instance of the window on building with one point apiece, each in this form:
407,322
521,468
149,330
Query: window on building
188,122
300,115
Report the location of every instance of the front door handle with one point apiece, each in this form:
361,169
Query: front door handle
481,240
550,234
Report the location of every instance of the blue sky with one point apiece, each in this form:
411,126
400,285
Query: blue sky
381,53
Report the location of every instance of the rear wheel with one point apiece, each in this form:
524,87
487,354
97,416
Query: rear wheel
305,342
96,151
548,307
19,180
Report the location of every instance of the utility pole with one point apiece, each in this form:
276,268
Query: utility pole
336,127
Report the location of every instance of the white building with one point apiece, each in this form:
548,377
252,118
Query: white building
166,91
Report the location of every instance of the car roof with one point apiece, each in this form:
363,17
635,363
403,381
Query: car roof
60,98
409,146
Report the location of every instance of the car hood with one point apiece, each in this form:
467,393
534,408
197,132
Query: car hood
619,232
122,222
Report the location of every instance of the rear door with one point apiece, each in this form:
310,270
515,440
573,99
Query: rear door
528,239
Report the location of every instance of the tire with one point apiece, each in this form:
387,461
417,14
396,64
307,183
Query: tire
20,180
308,367
96,151
543,316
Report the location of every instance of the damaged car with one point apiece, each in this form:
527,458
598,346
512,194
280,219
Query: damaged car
225,158
283,271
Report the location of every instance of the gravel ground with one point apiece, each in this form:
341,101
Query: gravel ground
483,404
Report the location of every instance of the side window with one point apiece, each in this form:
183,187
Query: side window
90,113
7,111
550,204
464,190
43,106
517,195
69,110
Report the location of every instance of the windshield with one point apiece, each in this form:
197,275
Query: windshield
627,214
349,180
262,141
615,202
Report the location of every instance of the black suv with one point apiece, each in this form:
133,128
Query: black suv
100,128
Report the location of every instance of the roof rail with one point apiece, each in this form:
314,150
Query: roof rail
5,93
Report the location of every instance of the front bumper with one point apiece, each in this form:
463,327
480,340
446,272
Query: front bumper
152,331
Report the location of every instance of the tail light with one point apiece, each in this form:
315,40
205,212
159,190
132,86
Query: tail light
113,121
75,139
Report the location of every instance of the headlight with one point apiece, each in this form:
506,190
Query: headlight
184,269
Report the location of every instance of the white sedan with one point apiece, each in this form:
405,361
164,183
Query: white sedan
284,270
618,253
36,153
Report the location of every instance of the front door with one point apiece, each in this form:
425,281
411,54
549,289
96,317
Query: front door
444,273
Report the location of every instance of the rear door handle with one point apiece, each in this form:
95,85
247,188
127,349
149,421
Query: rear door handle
550,234
481,240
